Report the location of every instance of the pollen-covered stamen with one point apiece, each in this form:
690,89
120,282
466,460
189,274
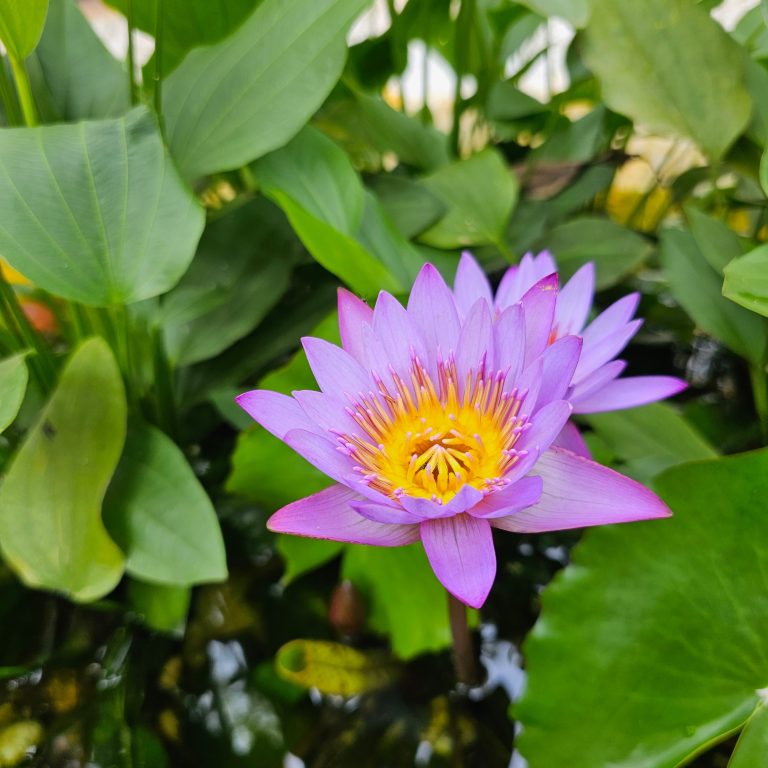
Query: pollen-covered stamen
428,438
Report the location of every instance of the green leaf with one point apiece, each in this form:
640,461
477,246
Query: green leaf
410,206
95,212
405,600
764,172
241,270
752,746
651,645
159,514
746,280
615,250
650,439
13,386
574,11
507,102
670,67
21,23
479,193
69,53
229,103
303,555
334,668
163,608
718,243
697,287
51,532
187,24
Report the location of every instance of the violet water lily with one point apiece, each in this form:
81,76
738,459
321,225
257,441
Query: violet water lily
436,421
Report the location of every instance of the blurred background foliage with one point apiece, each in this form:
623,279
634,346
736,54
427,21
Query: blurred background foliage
168,236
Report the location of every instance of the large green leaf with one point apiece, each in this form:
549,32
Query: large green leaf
746,280
229,103
698,289
671,68
650,439
410,206
69,53
51,530
614,249
575,11
241,270
161,517
187,24
479,193
13,386
21,23
95,212
651,646
718,243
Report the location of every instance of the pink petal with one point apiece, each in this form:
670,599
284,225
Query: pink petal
593,355
539,312
384,513
560,361
509,341
575,300
513,498
629,393
329,515
470,284
398,335
433,310
336,371
570,438
546,426
579,493
277,413
353,314
475,340
460,551
323,454
326,411
597,379
426,509
517,280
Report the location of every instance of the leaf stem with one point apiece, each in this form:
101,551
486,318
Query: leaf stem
131,58
464,661
24,90
158,76
757,375
165,399
461,61
8,97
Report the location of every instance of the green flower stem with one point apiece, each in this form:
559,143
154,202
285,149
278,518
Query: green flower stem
464,660
165,398
42,364
23,88
461,64
158,76
131,59
8,97
759,381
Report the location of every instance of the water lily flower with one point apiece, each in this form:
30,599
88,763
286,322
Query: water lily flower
436,421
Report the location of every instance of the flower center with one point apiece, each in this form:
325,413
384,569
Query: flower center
428,438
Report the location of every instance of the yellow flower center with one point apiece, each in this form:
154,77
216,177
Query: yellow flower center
428,439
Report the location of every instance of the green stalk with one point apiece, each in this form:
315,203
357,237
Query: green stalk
24,90
463,29
165,398
760,396
464,659
159,61
131,61
8,97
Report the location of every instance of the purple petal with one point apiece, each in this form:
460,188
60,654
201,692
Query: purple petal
570,438
629,393
509,341
460,551
575,300
426,509
546,426
523,466
353,314
329,515
593,355
560,361
277,413
396,332
597,379
433,310
385,513
529,385
513,498
539,312
579,493
517,280
326,411
475,340
470,284
323,454
336,371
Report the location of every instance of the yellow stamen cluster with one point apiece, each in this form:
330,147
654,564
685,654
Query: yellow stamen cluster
427,439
